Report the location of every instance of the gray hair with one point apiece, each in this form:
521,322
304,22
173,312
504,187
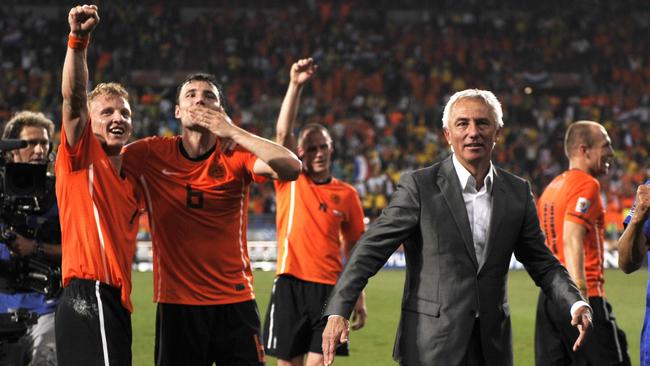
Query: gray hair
487,96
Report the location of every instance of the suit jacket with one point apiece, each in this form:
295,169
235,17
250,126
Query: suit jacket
445,289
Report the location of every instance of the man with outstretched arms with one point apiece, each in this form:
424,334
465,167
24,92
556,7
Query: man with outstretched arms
98,211
460,221
318,218
197,198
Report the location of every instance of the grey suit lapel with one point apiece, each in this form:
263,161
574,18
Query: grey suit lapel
499,197
449,185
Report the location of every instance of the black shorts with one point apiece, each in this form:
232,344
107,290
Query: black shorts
92,326
202,334
554,336
294,322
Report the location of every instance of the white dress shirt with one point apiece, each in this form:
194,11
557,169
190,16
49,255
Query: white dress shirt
478,205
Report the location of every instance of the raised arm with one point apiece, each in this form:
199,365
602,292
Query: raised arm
82,20
301,71
633,244
273,160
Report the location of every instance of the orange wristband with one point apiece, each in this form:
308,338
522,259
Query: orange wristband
78,43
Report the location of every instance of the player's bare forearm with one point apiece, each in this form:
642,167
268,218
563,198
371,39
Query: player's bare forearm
633,244
273,160
82,21
574,254
73,89
287,117
632,247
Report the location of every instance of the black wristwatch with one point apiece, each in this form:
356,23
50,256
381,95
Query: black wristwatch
40,251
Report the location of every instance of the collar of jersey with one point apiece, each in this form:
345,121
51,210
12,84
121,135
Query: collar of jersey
198,158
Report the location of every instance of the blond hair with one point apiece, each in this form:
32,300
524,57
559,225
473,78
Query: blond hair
111,89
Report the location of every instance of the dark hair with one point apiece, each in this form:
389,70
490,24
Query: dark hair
23,119
208,78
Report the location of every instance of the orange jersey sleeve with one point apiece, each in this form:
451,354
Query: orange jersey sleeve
98,213
198,218
311,220
583,204
575,196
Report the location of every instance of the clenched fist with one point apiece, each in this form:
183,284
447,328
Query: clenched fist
83,19
642,203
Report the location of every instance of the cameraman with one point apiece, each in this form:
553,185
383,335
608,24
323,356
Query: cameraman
39,342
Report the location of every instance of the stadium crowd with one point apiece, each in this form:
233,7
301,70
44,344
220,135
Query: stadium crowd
384,75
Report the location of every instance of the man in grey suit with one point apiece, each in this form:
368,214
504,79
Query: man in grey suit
460,220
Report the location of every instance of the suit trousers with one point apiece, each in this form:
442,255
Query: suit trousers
474,352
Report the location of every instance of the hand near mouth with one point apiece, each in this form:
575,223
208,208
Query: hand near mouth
215,121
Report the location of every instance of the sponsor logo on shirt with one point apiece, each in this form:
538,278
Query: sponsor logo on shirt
583,205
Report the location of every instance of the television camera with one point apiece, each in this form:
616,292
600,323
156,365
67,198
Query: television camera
27,203
27,193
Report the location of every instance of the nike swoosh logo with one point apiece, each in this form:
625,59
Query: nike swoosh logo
169,172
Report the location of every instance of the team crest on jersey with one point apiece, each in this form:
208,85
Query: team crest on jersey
335,198
216,170
583,205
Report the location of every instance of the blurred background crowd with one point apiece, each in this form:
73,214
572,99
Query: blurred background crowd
385,71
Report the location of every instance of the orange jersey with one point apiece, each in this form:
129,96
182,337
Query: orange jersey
575,196
99,215
197,216
311,219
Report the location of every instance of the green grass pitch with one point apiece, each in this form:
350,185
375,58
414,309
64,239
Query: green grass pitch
373,344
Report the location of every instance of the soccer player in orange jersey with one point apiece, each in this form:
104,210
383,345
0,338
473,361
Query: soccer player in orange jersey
197,198
318,217
98,211
572,217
